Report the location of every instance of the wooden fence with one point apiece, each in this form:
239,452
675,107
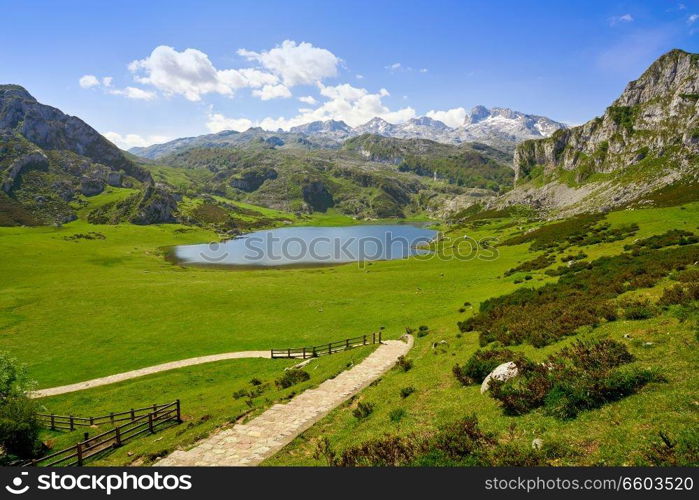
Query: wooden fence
70,422
91,446
332,347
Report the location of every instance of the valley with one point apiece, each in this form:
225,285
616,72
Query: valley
571,256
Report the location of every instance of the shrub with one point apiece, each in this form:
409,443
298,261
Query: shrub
255,381
396,415
638,309
539,263
481,363
292,377
679,294
406,391
403,364
582,376
581,297
363,410
19,423
669,238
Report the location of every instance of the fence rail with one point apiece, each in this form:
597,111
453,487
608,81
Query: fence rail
91,446
324,349
70,422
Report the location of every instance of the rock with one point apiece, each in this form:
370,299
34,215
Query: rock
114,179
502,372
537,444
91,187
36,160
655,118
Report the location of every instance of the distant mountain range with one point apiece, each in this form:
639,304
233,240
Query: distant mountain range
502,128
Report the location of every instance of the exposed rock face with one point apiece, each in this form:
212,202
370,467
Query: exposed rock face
91,187
51,129
21,164
653,126
157,205
252,178
502,372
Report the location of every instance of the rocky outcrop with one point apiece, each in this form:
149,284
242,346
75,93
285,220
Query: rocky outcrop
36,160
91,187
157,205
51,129
653,126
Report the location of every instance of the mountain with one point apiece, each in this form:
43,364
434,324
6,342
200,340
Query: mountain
503,127
647,139
330,128
319,135
49,160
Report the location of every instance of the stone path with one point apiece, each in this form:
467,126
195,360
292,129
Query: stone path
251,443
53,391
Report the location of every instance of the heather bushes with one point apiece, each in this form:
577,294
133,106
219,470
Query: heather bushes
19,424
460,443
292,377
481,364
581,297
669,238
539,263
582,376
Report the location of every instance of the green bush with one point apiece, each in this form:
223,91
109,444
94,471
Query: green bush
403,364
292,377
406,391
582,376
396,415
481,363
363,410
19,423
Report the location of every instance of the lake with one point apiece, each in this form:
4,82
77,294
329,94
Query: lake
310,246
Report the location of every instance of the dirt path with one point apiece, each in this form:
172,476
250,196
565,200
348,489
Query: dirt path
53,391
263,436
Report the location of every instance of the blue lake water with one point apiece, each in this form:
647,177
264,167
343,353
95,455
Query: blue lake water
308,246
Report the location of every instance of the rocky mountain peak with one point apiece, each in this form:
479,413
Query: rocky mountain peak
478,114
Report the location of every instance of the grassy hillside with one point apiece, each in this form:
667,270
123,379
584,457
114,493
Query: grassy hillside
84,300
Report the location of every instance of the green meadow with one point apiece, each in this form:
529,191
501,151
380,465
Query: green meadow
75,308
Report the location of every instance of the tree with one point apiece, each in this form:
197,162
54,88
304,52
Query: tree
19,423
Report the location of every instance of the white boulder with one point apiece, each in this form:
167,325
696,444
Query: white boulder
503,372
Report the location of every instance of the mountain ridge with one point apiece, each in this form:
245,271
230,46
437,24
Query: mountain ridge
498,127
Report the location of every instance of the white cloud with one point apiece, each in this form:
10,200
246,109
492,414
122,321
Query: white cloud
626,18
296,64
217,123
423,70
107,81
309,99
134,93
352,105
359,77
272,92
191,74
128,141
393,67
692,19
452,117
88,81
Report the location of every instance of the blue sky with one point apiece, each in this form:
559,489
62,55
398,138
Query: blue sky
147,71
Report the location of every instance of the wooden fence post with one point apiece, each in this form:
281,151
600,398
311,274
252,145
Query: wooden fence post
364,339
289,352
111,417
117,436
330,348
92,421
150,423
315,354
72,423
53,422
373,337
179,417
79,450
133,415
380,337
347,344
86,436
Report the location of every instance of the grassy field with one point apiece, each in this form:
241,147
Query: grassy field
73,308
